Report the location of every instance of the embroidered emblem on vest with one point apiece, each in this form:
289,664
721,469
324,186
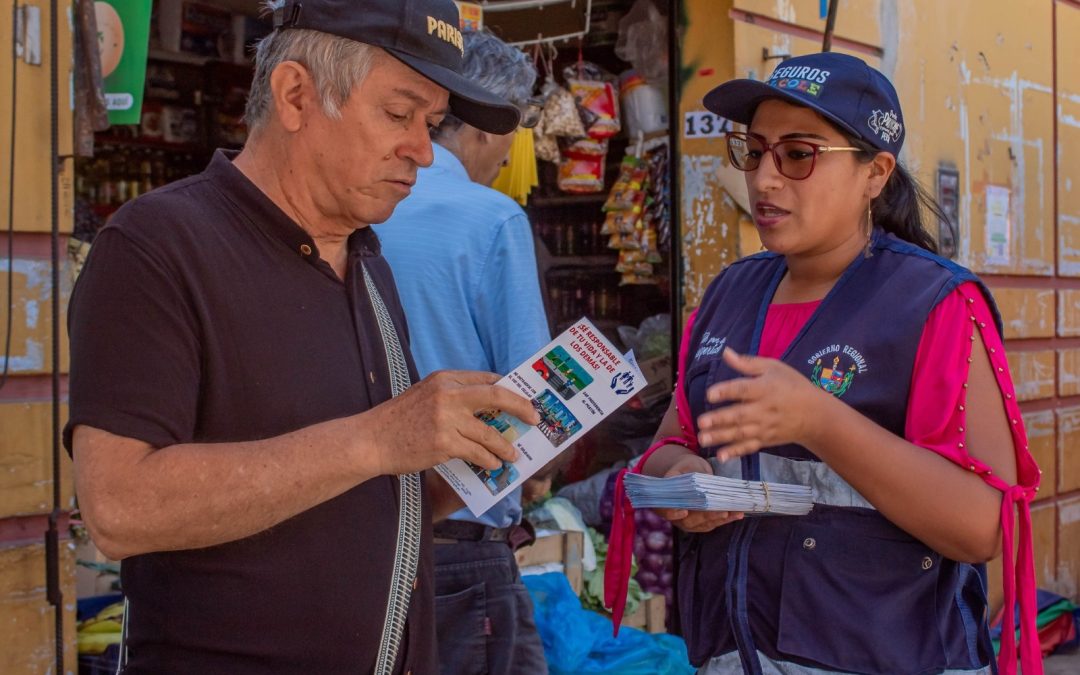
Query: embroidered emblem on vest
836,378
833,380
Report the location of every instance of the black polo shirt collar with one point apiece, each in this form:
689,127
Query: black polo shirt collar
265,215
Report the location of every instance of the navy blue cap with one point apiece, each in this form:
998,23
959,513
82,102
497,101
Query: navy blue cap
843,89
422,34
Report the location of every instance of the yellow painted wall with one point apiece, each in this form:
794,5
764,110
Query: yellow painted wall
31,321
977,82
32,208
976,89
1068,116
26,460
710,218
26,619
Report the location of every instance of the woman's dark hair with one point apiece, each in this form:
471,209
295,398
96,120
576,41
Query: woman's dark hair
903,206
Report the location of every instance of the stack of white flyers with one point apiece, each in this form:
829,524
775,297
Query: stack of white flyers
705,492
574,382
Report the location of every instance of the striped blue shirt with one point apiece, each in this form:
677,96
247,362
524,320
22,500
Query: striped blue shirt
463,258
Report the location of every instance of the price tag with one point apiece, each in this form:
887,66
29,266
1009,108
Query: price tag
704,124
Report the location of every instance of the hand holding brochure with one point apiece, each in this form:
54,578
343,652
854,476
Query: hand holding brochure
705,492
574,382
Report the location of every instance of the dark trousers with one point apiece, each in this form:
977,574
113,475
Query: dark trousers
484,617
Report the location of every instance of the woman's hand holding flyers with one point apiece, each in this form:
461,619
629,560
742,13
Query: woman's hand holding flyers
773,405
695,521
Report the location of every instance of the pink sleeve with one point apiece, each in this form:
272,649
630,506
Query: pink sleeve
682,403
935,417
936,420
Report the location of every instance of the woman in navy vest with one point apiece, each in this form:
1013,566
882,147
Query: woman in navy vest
850,358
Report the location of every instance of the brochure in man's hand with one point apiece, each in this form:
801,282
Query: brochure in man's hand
574,382
705,492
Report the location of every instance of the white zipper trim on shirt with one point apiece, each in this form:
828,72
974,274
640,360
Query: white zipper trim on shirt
121,661
407,548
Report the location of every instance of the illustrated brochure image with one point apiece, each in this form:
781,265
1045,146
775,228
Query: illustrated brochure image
574,382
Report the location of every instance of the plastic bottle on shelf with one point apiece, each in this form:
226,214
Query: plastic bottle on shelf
146,174
102,175
118,174
131,174
157,168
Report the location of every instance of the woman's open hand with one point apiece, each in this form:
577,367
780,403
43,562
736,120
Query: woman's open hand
772,405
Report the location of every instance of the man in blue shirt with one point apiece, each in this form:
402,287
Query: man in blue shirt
463,258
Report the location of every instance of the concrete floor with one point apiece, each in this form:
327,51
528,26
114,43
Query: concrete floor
1063,664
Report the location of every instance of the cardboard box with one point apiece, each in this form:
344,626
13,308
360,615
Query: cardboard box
556,547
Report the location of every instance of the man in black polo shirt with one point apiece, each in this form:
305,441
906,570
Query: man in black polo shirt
238,351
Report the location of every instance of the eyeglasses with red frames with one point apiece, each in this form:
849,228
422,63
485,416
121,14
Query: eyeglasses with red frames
794,159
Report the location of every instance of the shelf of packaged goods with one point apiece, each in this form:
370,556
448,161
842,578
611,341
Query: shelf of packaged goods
180,57
149,143
601,260
542,201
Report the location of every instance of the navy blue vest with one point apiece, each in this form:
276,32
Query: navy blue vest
841,588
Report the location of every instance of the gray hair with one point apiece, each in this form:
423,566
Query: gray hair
497,67
337,65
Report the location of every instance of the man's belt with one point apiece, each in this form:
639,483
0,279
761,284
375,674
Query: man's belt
453,531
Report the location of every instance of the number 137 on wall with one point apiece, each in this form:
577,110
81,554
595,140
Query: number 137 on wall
704,124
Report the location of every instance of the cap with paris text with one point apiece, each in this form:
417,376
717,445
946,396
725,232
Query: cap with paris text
422,34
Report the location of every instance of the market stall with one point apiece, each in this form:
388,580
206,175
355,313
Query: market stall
594,178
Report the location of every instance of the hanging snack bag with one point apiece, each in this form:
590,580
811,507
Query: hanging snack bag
593,87
619,222
628,260
598,97
546,145
560,116
622,192
650,246
582,167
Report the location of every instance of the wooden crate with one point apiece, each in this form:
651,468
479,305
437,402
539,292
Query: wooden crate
556,547
649,616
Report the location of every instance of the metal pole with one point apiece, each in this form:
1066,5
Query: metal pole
830,26
675,268
54,592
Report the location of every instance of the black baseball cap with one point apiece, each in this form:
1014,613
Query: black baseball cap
422,34
841,88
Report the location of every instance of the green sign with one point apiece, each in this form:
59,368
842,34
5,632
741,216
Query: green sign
123,32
